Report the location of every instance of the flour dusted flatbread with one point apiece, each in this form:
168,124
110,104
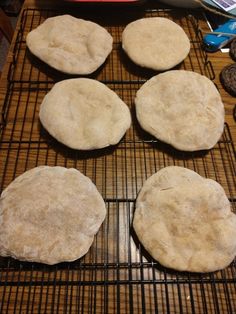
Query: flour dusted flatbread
49,215
155,42
70,45
184,221
84,114
181,108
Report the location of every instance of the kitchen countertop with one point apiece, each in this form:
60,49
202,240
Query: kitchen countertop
116,275
219,61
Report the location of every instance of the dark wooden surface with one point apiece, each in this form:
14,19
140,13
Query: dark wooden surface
116,275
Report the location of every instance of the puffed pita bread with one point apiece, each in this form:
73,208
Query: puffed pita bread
156,43
181,108
84,114
70,45
185,222
49,215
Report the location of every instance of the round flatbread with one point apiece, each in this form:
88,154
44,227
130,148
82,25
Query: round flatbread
185,222
181,108
156,43
84,114
49,215
70,45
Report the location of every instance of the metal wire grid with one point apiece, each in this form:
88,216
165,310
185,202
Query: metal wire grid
22,128
27,68
116,275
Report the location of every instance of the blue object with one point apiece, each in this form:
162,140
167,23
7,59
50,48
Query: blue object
213,42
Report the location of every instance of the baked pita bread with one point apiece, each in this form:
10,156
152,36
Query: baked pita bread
70,45
184,221
156,43
181,108
49,215
84,114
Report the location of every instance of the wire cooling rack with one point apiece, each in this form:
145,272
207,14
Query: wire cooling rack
118,68
116,275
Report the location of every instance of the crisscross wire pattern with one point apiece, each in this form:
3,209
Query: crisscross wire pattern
117,275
